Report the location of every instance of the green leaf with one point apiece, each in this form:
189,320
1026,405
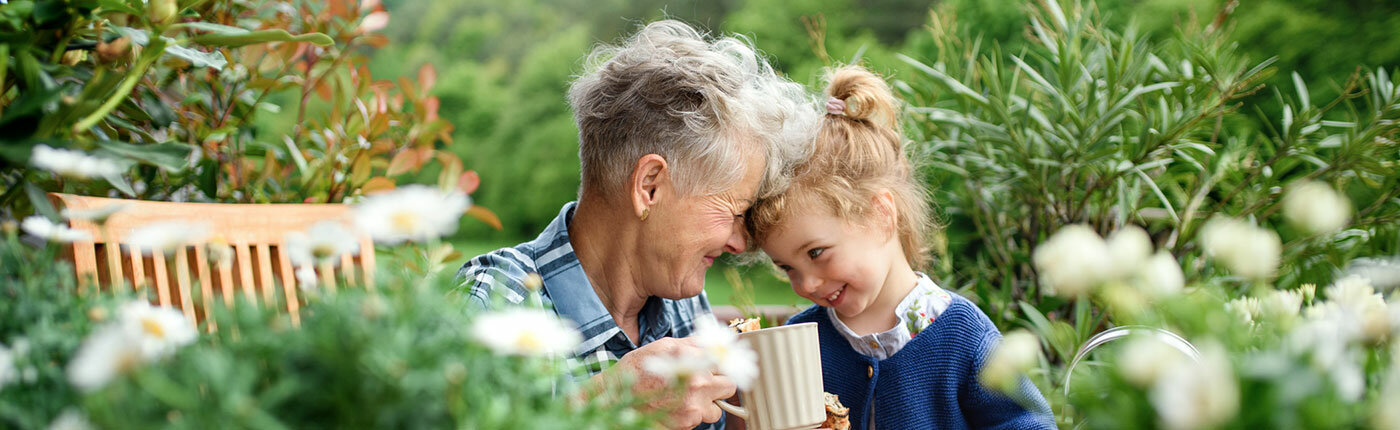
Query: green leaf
260,36
40,200
198,58
169,156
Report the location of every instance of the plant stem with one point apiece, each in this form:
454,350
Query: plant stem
153,51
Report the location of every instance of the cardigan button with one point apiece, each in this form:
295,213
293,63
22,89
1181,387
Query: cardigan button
869,372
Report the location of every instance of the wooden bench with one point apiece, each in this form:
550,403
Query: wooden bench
255,232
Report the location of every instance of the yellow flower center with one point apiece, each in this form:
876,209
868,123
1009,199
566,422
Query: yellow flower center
529,342
152,327
323,251
405,221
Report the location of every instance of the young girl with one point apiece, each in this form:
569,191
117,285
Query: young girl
899,351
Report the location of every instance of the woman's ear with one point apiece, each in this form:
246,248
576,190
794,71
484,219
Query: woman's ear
649,183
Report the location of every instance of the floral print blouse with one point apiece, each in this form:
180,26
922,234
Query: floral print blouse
916,312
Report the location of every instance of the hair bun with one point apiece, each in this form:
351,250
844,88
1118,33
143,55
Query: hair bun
866,95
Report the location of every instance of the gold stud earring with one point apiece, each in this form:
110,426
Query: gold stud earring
645,213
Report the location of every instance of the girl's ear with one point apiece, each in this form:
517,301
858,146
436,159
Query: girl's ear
887,213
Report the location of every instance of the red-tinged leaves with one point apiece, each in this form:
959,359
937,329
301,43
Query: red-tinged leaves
430,105
469,182
485,215
377,185
407,89
427,77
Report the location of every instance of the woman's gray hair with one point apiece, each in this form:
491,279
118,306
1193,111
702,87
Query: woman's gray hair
668,91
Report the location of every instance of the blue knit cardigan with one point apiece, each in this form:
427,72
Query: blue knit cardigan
932,382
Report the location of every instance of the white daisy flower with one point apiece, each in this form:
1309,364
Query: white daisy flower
306,277
1161,276
1073,261
158,331
677,367
410,213
97,215
1145,359
104,354
53,232
325,242
525,332
73,164
730,355
168,236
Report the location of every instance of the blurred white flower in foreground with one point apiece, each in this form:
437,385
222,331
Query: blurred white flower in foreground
525,332
8,372
410,213
1072,261
168,236
730,355
324,242
1161,276
1193,395
306,277
1128,249
97,215
70,419
158,331
1316,207
1018,352
1248,251
140,333
1144,359
73,164
676,367
53,232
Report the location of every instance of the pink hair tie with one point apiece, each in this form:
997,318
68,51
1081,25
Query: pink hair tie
835,106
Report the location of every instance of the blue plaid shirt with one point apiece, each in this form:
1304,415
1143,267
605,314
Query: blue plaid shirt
567,291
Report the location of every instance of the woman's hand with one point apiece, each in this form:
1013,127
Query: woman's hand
687,408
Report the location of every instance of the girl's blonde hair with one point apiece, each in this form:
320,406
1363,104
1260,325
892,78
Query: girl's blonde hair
858,153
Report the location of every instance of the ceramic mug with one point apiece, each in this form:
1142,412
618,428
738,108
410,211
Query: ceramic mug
787,394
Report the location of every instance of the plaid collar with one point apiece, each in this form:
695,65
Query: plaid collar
572,295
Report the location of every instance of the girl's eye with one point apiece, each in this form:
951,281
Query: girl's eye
815,252
785,268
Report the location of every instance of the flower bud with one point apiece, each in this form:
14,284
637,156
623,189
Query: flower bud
115,50
161,12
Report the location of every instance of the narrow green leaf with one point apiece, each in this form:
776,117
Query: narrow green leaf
172,157
261,36
198,58
40,200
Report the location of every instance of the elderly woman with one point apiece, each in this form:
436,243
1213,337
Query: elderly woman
678,135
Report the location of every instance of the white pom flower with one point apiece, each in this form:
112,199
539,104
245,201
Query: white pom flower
1246,307
525,332
53,232
168,236
1281,306
730,355
1145,359
410,213
1018,352
325,242
1248,251
1161,276
73,164
1316,207
1193,395
1072,261
1128,250
306,277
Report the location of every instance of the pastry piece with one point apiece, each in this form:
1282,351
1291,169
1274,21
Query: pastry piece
742,325
837,415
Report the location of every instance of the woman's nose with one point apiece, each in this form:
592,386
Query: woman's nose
736,244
